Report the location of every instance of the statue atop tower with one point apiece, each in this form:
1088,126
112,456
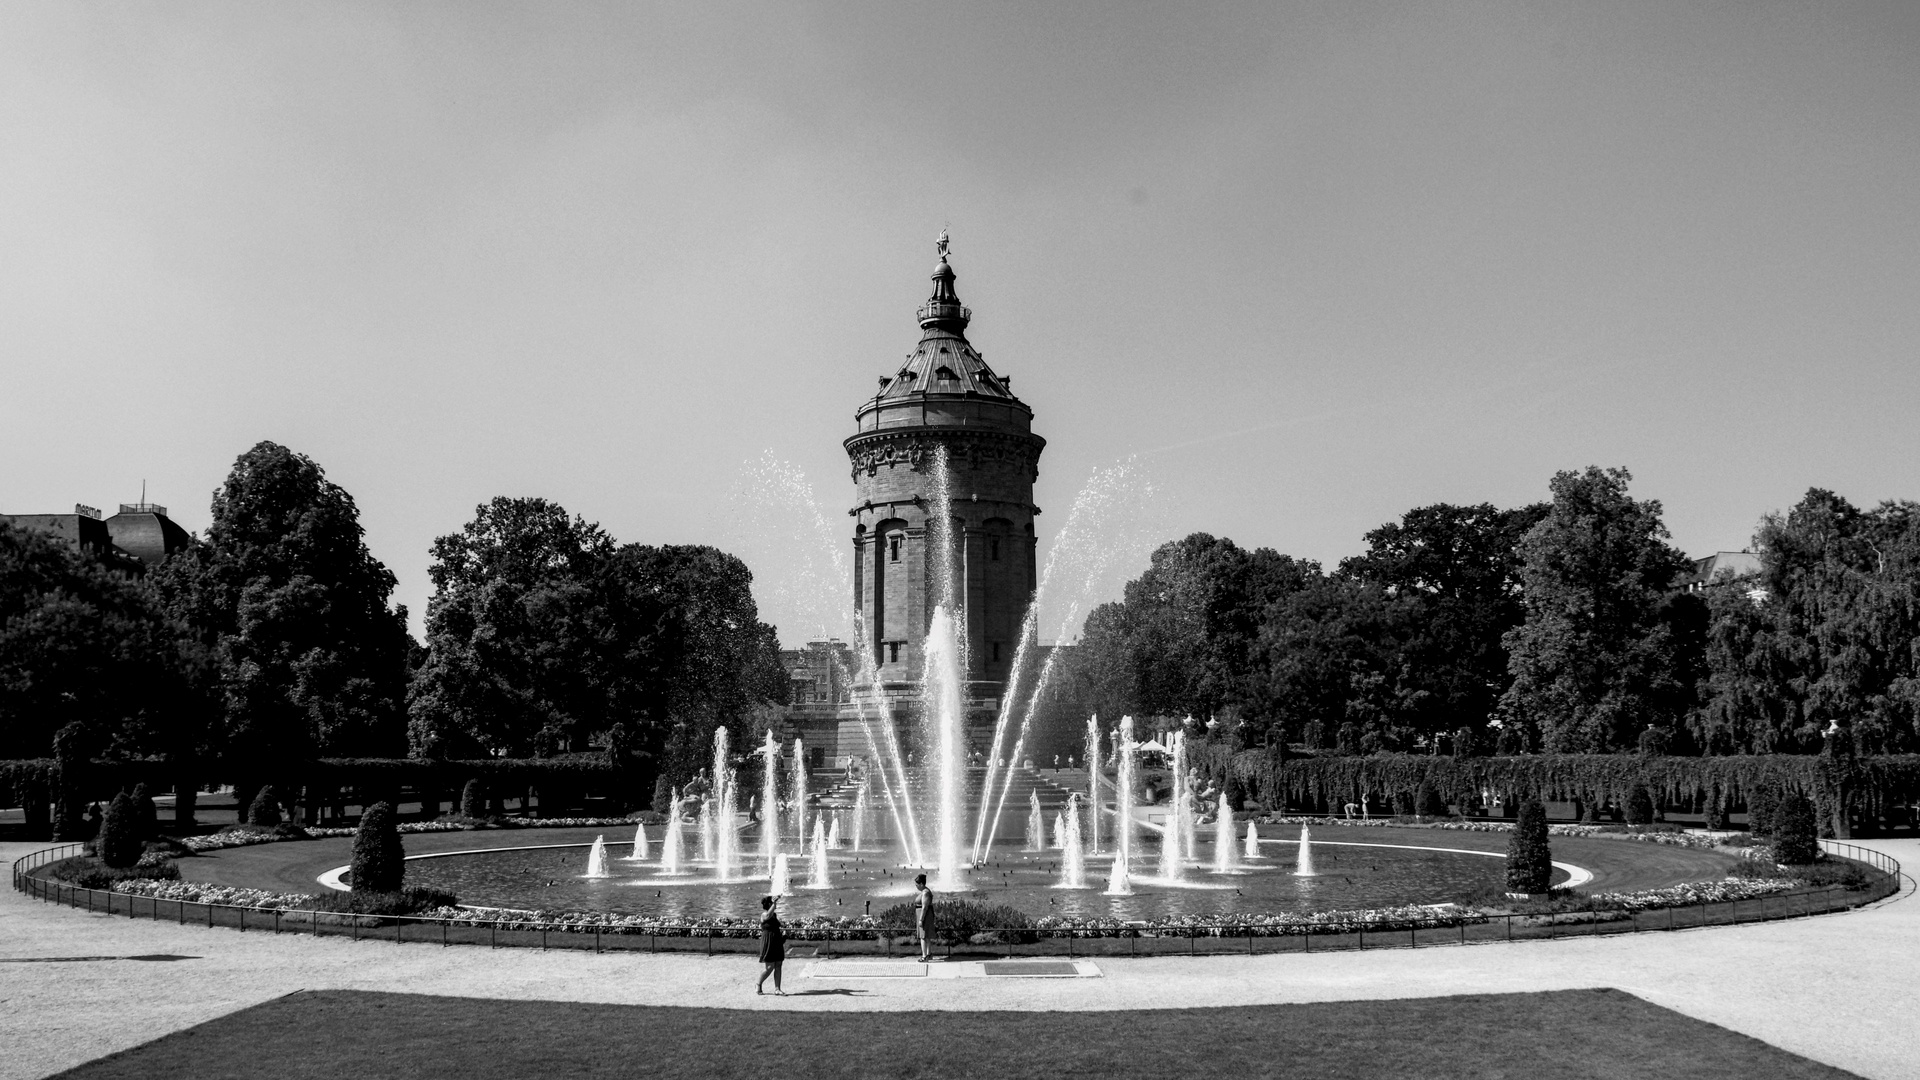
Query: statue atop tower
943,397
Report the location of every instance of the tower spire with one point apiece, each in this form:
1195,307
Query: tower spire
943,310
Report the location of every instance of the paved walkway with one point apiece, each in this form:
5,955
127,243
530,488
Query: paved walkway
1840,989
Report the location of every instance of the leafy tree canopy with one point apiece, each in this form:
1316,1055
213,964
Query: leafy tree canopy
310,658
1605,650
83,642
542,635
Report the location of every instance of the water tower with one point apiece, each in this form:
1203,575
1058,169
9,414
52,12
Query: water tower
942,396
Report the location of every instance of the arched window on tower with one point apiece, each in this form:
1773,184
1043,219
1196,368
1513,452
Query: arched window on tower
893,549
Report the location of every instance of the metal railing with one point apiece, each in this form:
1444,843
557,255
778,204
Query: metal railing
508,931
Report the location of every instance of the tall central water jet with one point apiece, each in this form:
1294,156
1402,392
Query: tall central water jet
945,710
1123,793
1093,783
725,806
1073,865
1172,858
770,802
799,793
1036,824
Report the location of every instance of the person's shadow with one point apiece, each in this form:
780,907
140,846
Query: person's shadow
837,991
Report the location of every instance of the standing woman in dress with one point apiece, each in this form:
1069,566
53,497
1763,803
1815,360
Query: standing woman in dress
773,946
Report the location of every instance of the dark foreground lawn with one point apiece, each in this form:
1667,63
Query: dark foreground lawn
350,1035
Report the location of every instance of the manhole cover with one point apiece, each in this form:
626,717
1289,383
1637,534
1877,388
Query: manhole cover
1043,968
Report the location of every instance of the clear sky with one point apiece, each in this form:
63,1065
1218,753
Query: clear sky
1314,264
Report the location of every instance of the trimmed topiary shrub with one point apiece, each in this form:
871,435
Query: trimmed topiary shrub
119,845
473,799
1639,805
1794,835
1403,803
1529,862
145,813
663,796
378,857
265,809
1761,801
1427,802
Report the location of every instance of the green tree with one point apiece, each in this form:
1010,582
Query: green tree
82,642
1843,604
543,635
1607,648
379,859
310,658
1185,638
119,843
1458,570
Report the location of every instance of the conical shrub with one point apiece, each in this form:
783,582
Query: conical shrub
378,858
1639,805
265,809
145,812
473,799
119,845
1795,840
1529,862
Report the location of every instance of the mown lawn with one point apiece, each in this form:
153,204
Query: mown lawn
1564,1035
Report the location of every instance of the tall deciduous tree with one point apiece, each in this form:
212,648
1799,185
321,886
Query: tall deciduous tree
1458,569
1843,610
1605,650
542,634
310,657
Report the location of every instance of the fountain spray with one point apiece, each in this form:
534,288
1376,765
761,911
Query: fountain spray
770,803
860,812
1118,883
782,883
670,853
1123,792
1224,861
706,830
639,843
1035,823
1073,865
1059,831
819,880
1253,841
799,793
1172,860
597,858
833,831
726,807
943,703
1303,866
1093,783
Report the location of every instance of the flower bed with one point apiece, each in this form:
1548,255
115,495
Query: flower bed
246,835
1598,832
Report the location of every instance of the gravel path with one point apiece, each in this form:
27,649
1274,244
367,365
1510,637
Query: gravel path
1838,988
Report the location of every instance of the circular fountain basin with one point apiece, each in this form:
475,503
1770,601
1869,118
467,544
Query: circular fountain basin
1350,876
